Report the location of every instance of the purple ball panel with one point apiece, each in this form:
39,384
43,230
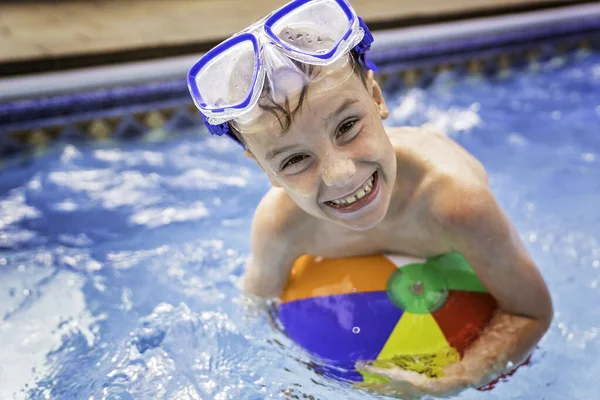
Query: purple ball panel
341,329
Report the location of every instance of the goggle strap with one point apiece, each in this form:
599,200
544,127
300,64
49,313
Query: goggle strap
364,46
367,64
220,130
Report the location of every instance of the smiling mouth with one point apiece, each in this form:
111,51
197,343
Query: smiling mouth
360,198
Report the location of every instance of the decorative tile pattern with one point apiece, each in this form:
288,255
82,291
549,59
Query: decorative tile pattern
129,113
487,55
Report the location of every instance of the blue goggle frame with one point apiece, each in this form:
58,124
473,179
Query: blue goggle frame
224,128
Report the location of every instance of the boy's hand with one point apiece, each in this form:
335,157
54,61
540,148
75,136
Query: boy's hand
412,385
488,357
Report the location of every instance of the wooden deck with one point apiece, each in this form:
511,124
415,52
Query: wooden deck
95,32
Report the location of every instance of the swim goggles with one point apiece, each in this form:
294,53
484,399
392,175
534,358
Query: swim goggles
227,81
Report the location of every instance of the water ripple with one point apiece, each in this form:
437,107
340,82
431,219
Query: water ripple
121,265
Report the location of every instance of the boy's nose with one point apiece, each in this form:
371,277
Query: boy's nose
338,172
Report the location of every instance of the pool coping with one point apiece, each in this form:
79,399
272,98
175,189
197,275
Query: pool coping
106,32
390,44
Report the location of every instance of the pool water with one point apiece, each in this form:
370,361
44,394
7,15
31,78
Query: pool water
121,264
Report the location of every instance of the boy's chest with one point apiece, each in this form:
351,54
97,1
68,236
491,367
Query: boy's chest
408,237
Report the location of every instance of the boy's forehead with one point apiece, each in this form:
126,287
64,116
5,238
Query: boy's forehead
315,106
318,110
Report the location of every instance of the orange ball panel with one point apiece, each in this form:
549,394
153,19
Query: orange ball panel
315,277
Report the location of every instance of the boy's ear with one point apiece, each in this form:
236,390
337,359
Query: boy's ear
377,95
273,181
249,155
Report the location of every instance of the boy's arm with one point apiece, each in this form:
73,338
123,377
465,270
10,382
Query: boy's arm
477,227
474,225
274,249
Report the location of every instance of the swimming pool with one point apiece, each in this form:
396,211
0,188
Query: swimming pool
121,261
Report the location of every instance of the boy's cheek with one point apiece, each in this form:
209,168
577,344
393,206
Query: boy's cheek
372,144
304,184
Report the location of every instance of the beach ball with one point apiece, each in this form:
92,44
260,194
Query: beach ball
415,314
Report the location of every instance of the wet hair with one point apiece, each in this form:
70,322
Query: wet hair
283,112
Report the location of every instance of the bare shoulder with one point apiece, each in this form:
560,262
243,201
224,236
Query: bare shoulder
454,184
441,153
278,219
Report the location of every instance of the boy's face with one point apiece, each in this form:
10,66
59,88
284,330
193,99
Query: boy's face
335,160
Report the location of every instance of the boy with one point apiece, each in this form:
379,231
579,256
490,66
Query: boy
344,186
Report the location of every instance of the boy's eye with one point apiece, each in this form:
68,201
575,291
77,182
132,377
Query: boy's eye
293,160
346,126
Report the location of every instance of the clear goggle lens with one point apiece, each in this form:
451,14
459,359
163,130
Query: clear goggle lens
236,64
316,28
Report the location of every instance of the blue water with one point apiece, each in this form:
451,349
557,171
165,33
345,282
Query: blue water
120,264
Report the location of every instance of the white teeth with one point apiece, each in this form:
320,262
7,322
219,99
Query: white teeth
350,199
359,194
